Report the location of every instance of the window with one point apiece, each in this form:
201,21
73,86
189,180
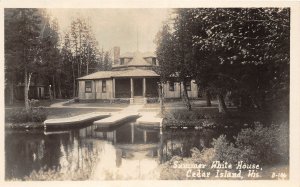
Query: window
103,86
122,61
88,86
188,86
154,61
171,86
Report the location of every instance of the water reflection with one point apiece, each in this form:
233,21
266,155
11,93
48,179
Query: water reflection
127,151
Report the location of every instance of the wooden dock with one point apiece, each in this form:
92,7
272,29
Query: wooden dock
116,119
74,121
149,119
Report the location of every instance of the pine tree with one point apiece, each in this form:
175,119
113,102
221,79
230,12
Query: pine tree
23,32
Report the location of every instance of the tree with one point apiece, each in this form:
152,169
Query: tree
246,48
165,55
107,62
23,31
68,73
182,44
84,49
172,55
242,51
51,55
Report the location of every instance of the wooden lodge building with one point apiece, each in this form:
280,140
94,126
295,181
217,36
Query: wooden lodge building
132,79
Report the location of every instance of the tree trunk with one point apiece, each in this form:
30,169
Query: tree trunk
88,61
79,72
11,94
58,80
54,90
78,69
74,82
161,98
59,87
87,67
185,97
222,106
208,98
77,88
260,100
245,102
26,89
263,101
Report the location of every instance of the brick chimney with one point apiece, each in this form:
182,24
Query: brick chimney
116,54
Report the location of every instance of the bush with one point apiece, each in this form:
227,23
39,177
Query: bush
184,115
22,116
205,156
261,145
153,100
283,142
121,100
16,116
225,151
38,114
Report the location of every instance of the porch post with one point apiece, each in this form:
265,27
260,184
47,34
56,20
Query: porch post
145,136
114,88
144,90
144,87
95,89
131,90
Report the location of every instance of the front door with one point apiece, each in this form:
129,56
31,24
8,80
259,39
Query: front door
138,87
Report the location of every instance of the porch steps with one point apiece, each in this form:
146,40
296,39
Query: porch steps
138,100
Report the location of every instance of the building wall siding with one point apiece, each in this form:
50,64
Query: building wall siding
98,94
96,90
104,95
178,90
172,94
194,90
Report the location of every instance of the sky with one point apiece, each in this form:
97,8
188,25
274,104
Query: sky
130,29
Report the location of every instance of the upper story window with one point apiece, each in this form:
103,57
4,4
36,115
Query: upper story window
88,86
154,61
171,86
188,86
122,61
103,86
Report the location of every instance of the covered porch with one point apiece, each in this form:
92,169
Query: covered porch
138,89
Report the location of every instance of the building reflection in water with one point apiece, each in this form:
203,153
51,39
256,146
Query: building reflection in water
124,152
129,152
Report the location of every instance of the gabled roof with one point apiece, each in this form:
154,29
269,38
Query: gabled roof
119,74
99,75
138,60
126,55
149,54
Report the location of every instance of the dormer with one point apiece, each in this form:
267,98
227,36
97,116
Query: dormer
124,60
154,61
151,60
136,60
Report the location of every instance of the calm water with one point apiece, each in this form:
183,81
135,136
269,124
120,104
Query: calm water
124,152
